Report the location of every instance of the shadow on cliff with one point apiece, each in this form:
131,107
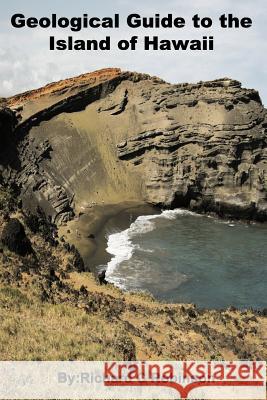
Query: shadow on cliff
75,103
9,156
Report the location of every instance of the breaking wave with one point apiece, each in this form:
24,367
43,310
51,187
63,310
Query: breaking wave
121,246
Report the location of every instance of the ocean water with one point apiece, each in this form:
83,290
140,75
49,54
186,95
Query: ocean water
180,256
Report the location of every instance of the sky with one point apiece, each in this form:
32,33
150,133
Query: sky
26,61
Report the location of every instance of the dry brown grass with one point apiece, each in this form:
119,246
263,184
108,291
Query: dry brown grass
142,328
31,330
78,319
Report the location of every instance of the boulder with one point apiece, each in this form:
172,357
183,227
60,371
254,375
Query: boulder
14,237
102,278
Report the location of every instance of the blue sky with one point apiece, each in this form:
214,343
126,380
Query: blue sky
26,61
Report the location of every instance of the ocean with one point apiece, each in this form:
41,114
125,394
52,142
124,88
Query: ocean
181,256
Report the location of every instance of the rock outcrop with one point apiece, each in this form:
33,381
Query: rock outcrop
115,136
14,237
212,154
8,148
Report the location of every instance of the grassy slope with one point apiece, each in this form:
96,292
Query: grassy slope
105,324
69,316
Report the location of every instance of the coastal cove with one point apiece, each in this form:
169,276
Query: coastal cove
125,172
177,255
89,231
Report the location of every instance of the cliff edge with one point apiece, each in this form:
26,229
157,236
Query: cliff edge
113,136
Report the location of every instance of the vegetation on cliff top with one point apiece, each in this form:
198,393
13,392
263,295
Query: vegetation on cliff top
49,311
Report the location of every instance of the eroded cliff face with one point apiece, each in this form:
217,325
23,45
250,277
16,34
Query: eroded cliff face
211,155
113,136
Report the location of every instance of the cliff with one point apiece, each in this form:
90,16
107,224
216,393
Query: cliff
113,136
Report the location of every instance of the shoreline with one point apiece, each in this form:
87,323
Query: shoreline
88,232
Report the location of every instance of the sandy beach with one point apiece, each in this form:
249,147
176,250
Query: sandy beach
89,231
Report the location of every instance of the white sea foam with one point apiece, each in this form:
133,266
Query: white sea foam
172,214
120,244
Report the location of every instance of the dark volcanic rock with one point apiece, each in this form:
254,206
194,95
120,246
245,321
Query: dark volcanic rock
14,237
126,347
78,262
102,278
38,223
8,145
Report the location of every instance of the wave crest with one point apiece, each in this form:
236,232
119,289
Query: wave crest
120,244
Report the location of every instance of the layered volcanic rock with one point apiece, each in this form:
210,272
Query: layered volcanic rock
114,136
212,153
